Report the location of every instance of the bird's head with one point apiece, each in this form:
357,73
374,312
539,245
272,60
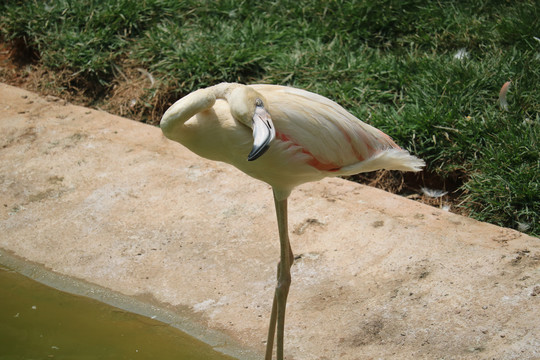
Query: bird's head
248,107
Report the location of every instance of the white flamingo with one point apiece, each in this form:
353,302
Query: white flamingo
292,136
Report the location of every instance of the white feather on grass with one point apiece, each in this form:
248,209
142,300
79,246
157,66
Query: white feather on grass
433,193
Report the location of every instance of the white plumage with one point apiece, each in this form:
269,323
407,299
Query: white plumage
315,137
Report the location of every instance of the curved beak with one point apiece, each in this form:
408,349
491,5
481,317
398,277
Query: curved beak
263,133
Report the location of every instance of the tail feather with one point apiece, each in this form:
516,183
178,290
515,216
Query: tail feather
391,159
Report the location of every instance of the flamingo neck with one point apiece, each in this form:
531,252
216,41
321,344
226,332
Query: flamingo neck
185,108
192,104
223,90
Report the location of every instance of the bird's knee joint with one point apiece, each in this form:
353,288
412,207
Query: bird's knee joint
283,283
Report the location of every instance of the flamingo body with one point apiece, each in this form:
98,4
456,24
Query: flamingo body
295,136
315,137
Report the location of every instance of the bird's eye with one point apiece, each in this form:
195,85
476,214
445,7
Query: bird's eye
258,102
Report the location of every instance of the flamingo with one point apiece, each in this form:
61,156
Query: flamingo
285,137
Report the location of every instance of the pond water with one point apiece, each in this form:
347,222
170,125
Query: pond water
39,322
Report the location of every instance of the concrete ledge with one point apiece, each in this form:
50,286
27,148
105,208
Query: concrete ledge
110,201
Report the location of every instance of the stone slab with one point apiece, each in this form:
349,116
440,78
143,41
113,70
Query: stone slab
112,202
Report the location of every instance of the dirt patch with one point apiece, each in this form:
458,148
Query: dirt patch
426,187
31,76
368,332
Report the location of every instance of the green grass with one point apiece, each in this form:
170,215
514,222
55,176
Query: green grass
389,62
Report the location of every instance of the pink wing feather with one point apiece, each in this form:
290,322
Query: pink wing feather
332,136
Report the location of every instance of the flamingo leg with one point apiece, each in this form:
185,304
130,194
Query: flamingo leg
271,328
273,317
283,282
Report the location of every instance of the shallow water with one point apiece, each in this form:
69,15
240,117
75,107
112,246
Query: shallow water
39,322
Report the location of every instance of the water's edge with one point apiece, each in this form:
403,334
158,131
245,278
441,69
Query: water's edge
183,322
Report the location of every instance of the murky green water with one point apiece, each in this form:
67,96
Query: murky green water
39,322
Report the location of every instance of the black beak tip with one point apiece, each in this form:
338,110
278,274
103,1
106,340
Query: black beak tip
256,152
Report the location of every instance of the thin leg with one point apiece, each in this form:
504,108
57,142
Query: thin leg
282,290
271,330
273,316
283,281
